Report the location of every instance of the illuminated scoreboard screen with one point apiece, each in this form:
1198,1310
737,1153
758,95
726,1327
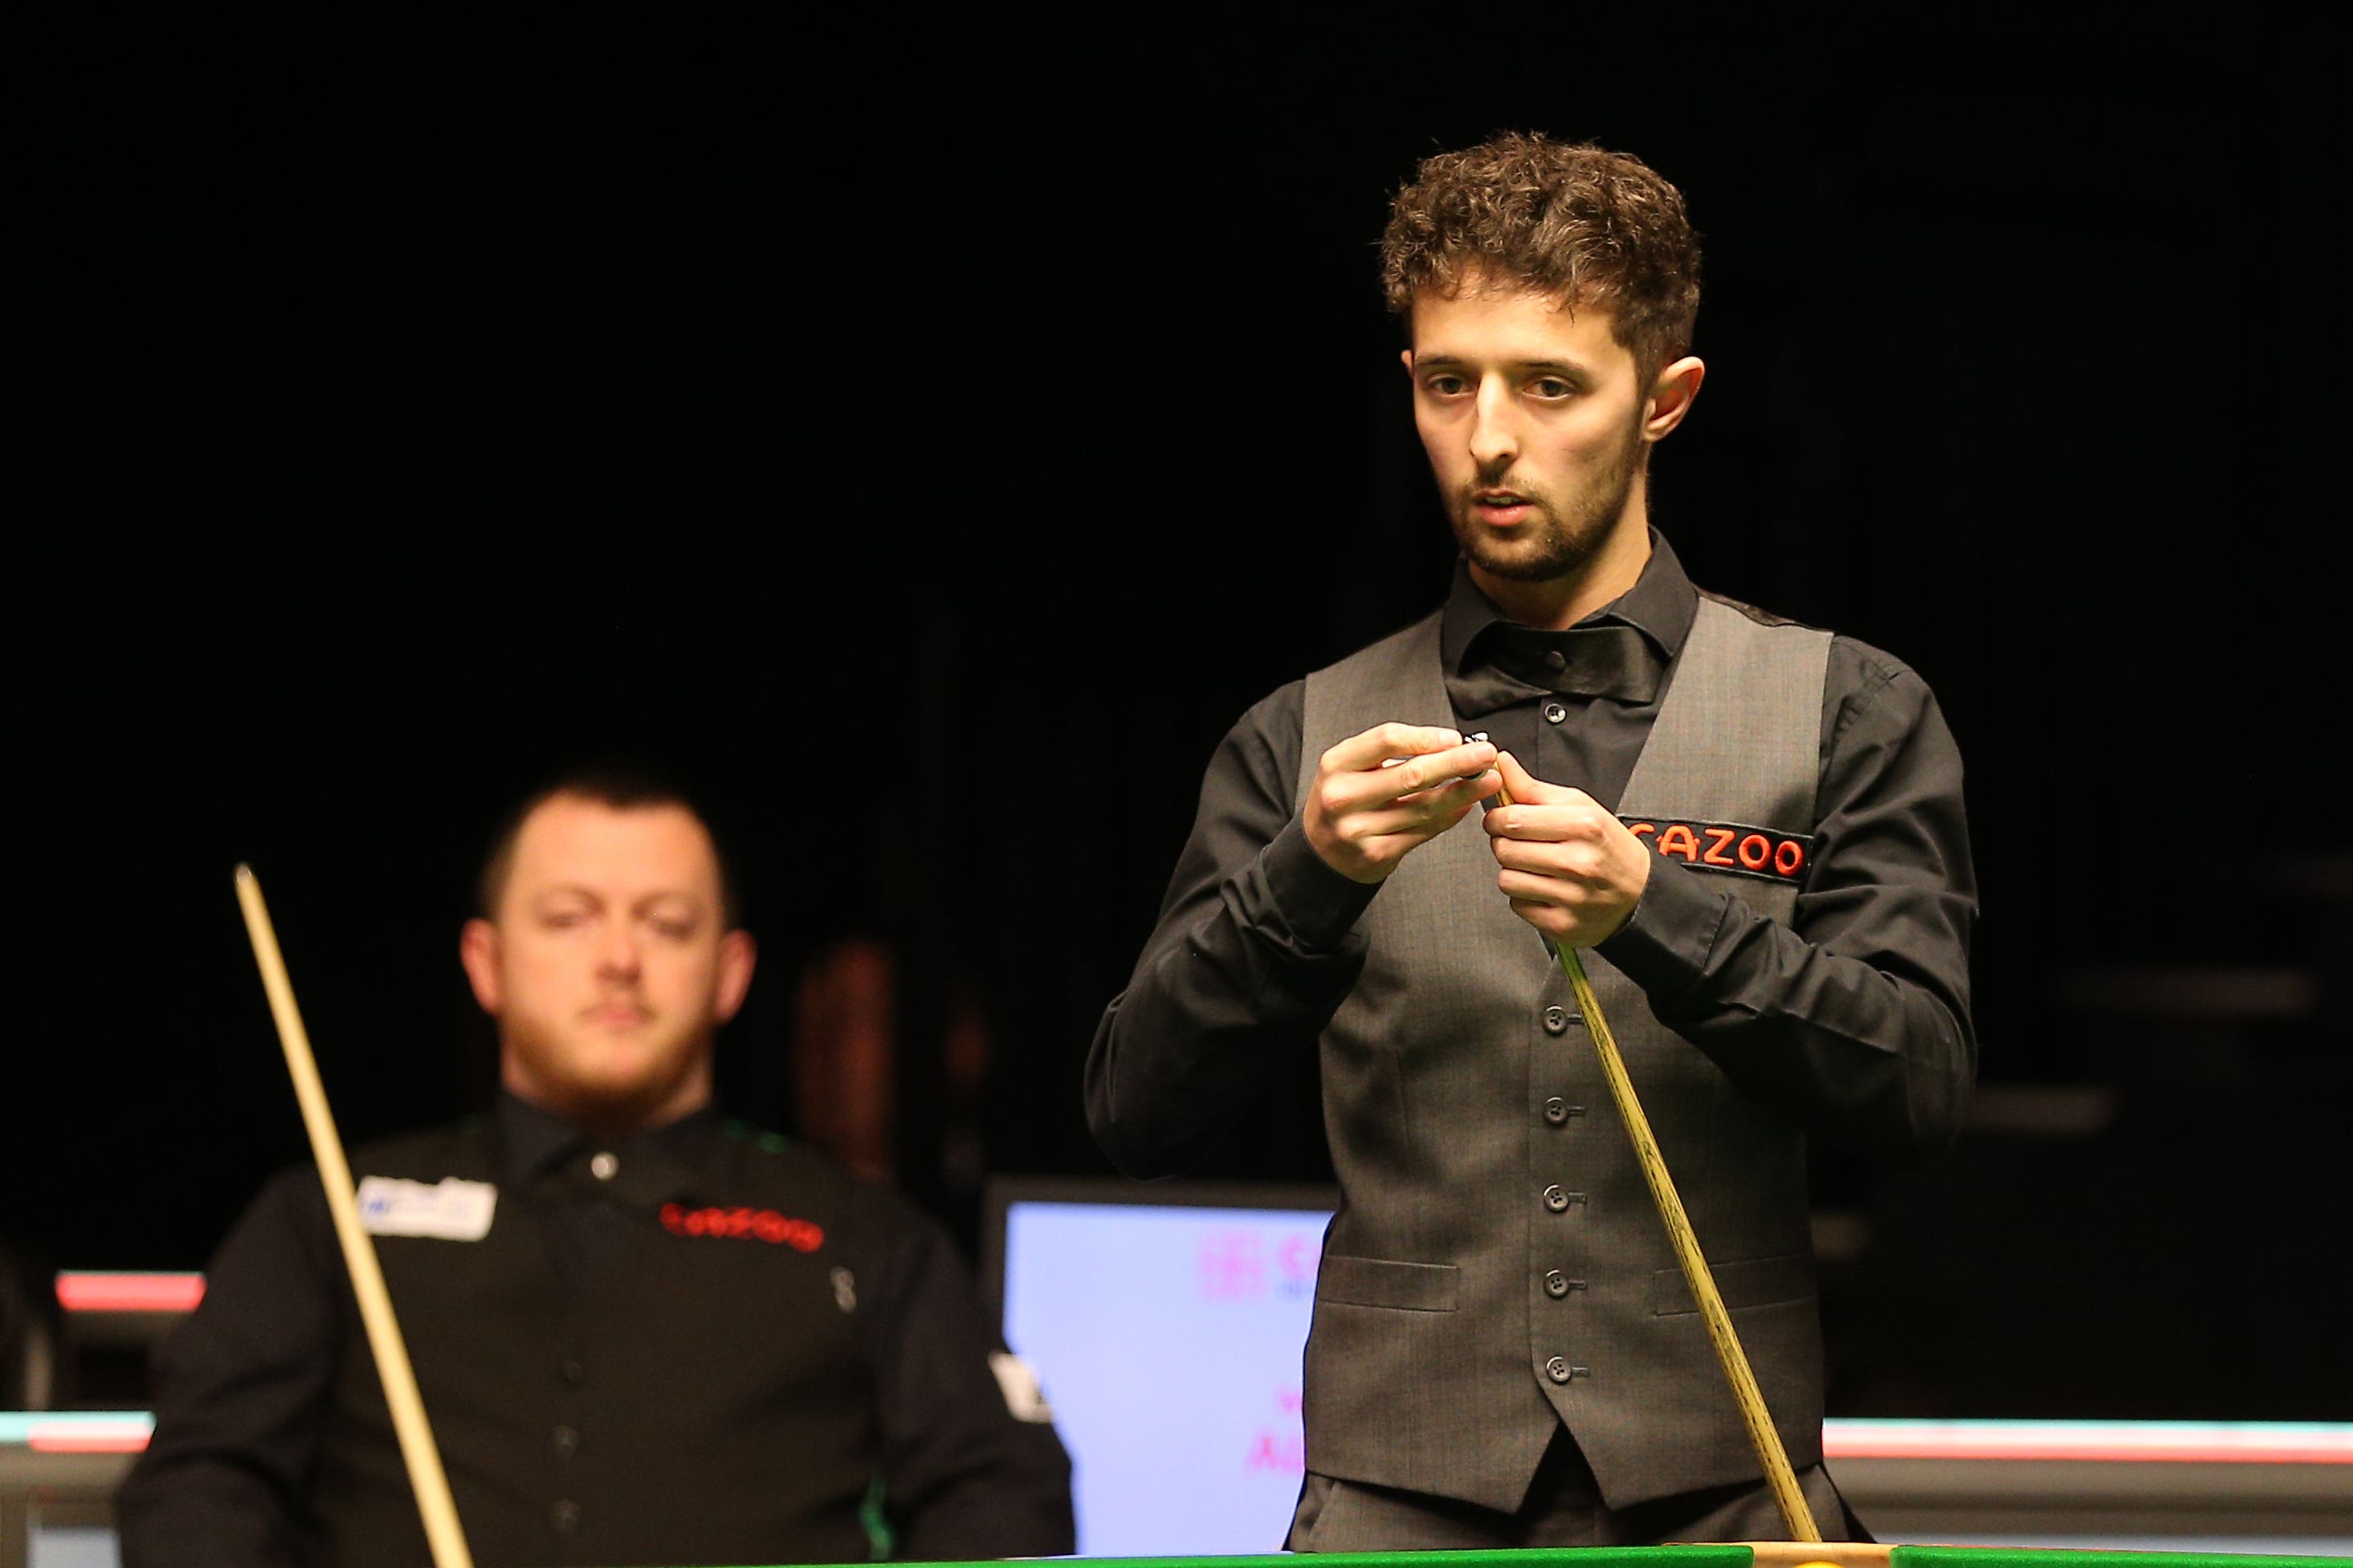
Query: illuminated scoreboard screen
1167,1333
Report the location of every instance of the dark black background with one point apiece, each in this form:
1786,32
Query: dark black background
931,437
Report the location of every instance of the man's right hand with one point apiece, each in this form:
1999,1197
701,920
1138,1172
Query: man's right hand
1390,790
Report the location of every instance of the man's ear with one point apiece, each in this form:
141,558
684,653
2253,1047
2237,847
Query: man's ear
1671,397
737,954
1405,358
477,950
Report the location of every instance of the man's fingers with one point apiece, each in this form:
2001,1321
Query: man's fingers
1546,859
1380,794
1383,741
1449,767
1523,785
1428,814
1529,790
1535,811
1352,790
1477,785
1543,825
1530,888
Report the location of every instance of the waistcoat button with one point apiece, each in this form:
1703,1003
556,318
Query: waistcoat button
1554,1199
1556,1284
1558,1369
565,1517
566,1442
605,1166
1556,1110
1555,1020
573,1372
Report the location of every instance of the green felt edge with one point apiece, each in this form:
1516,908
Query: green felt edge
1565,1557
2057,1557
1575,1557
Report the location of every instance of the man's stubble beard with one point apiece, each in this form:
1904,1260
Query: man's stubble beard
555,1063
1564,541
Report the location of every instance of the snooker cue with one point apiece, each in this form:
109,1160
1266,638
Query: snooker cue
426,1477
1762,1435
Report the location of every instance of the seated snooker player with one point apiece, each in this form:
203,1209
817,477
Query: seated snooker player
643,1334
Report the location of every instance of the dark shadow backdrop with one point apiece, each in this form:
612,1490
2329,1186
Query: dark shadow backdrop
932,439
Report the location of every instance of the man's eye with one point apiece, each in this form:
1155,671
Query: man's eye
673,930
1550,387
1445,385
562,919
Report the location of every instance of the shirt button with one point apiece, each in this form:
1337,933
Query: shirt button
1555,712
1554,1199
1555,1020
1556,1284
1556,1110
1555,659
605,1166
1558,1369
573,1372
565,1517
566,1442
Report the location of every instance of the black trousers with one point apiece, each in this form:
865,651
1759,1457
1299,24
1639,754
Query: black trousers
1563,1508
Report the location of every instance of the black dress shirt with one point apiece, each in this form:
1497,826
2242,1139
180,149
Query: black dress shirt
1853,1021
702,1345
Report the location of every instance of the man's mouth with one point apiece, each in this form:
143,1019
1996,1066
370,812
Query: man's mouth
618,1015
1501,507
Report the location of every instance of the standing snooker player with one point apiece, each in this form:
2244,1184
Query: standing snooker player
643,1334
1752,829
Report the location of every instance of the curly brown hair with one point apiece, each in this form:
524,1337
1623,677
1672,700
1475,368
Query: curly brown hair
1589,226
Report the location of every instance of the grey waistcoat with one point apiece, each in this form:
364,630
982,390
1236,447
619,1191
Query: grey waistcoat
1497,1267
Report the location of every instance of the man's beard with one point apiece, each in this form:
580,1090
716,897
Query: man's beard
607,1090
1564,538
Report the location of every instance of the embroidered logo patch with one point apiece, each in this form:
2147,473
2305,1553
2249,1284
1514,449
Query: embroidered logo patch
750,1225
451,1209
1729,847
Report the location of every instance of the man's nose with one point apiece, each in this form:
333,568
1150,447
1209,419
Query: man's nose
616,952
1495,441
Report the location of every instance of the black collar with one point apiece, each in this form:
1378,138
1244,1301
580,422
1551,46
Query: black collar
655,1164
1621,651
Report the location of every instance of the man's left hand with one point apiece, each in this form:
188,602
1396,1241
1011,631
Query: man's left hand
1570,868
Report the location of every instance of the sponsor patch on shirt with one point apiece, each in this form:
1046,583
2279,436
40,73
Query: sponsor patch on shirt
1023,1397
447,1210
1731,847
744,1224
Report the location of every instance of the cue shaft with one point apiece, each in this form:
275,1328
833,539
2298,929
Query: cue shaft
417,1450
1763,1436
